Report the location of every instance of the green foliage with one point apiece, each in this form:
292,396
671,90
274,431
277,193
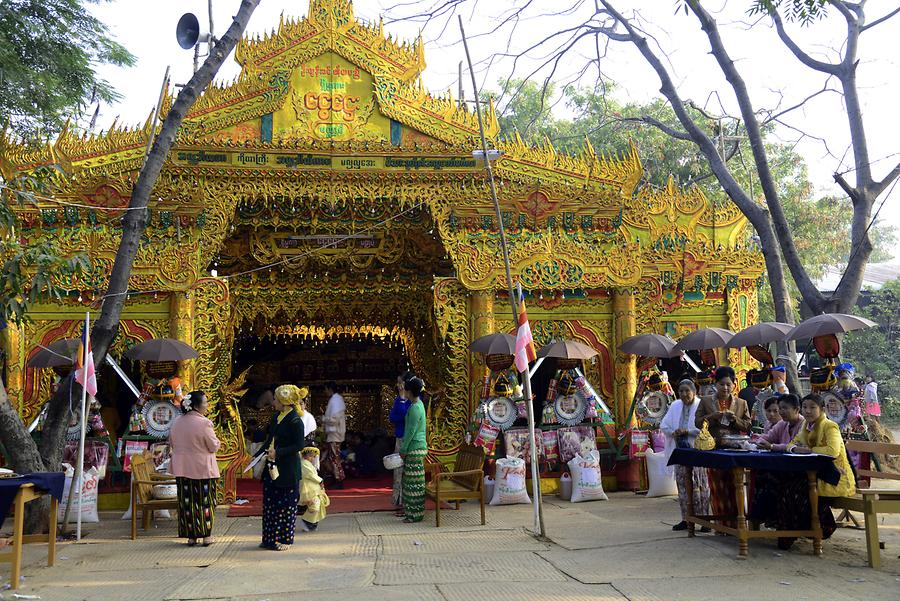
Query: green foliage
49,52
876,351
802,11
30,271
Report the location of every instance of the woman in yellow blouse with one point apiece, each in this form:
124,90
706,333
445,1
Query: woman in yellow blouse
823,436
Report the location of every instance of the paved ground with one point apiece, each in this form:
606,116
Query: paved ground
615,550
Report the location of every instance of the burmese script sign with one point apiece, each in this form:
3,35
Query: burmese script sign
314,162
330,99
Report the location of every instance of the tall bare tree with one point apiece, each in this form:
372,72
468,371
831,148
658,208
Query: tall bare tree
593,27
27,457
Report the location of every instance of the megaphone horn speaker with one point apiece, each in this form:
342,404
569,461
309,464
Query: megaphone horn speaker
187,32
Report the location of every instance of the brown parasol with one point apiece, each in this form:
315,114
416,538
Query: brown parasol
760,334
495,344
649,345
567,349
161,349
828,323
59,353
706,338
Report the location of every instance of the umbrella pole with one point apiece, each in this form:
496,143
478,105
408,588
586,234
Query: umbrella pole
526,377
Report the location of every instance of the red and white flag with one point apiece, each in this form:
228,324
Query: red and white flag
86,375
524,342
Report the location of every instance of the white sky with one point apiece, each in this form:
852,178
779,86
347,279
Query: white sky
147,29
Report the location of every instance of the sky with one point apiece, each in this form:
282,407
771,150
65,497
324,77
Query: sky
774,77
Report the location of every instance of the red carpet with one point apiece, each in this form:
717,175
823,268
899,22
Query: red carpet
358,495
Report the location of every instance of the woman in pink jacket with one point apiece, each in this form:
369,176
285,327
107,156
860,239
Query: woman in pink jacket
193,445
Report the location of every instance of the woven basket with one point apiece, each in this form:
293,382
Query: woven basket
392,461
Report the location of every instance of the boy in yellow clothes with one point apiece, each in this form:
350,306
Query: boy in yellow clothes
312,493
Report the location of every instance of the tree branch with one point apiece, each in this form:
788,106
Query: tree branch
782,229
802,56
666,129
880,187
893,13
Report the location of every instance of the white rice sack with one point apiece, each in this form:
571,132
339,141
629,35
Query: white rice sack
587,484
509,483
661,476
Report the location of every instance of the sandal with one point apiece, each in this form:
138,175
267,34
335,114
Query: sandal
207,541
192,542
409,521
281,547
400,513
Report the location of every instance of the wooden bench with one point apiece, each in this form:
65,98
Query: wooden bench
143,479
870,501
464,481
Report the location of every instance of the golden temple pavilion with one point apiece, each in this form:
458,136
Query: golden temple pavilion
322,218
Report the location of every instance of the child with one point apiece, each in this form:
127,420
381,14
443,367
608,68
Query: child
772,413
312,493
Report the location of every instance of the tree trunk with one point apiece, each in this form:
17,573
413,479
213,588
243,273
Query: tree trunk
27,457
781,298
135,221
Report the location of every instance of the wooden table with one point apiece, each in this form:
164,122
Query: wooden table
738,464
27,493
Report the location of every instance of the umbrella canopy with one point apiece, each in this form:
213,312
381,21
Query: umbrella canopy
706,338
760,335
56,354
567,349
649,345
161,349
829,323
495,344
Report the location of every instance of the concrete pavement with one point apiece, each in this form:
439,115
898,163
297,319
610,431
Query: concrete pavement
620,549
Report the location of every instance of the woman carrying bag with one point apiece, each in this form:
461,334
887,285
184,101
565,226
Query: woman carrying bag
281,476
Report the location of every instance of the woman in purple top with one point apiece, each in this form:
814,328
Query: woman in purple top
770,486
397,416
782,433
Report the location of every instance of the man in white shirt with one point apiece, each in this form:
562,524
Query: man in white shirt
335,420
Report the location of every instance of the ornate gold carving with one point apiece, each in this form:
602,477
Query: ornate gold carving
450,415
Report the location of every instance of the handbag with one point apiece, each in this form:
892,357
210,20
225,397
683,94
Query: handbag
273,471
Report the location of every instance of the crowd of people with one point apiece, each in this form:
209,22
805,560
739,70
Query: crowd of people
292,469
779,500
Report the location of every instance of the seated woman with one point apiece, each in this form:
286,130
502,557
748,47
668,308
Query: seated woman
787,428
823,436
768,486
773,414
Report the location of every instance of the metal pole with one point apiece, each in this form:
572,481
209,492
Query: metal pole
79,469
159,101
526,380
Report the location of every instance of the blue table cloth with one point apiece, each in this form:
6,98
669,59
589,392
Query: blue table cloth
758,460
51,482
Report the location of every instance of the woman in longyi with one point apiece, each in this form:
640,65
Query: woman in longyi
193,443
281,478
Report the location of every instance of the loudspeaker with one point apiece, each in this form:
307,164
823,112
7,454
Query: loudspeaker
187,32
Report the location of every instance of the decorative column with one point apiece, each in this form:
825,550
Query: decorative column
743,311
481,313
481,323
181,327
15,375
624,327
